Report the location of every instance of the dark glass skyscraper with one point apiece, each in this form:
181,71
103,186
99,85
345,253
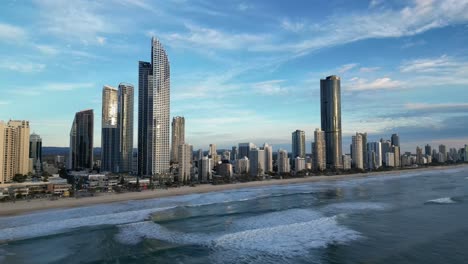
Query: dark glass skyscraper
125,126
81,141
298,144
395,140
35,151
330,104
145,112
110,131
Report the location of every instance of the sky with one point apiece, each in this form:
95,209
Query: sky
244,71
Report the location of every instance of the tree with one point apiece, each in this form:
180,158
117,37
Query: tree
260,170
63,173
19,178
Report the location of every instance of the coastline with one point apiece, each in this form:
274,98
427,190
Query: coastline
23,207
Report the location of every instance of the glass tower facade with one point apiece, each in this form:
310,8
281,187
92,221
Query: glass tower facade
81,141
154,112
330,103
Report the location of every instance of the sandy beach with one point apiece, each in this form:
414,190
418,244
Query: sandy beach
21,207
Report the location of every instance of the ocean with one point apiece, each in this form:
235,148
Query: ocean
415,217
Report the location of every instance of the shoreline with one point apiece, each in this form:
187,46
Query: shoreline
24,207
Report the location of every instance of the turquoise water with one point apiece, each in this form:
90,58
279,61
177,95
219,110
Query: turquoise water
417,217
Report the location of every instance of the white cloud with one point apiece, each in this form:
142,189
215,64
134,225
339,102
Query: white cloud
47,50
361,84
76,20
137,3
347,67
369,69
272,87
443,70
428,65
22,66
24,91
101,40
295,27
66,86
243,6
411,44
437,107
341,29
212,38
374,3
10,33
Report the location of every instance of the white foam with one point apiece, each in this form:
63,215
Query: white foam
444,200
60,226
296,236
280,240
356,206
273,219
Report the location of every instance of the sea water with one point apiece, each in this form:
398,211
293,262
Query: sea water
413,217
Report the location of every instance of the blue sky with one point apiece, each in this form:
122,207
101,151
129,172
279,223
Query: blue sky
244,70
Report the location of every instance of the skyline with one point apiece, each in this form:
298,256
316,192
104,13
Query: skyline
397,77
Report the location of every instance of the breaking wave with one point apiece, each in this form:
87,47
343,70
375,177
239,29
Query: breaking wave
444,200
286,233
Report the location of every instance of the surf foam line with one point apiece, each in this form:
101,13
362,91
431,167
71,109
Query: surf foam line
61,226
444,200
286,233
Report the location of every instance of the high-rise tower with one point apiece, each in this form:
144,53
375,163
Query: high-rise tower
357,156
153,112
298,144
125,126
35,151
178,137
330,103
81,141
319,150
110,132
14,149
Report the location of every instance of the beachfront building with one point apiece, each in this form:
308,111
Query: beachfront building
244,149
356,150
204,171
268,157
283,162
298,144
319,150
178,137
185,162
35,152
154,112
299,164
390,159
81,141
374,155
330,104
243,166
257,162
14,149
109,130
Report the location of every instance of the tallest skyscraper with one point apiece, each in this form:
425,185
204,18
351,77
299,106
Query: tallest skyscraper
153,112
330,103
